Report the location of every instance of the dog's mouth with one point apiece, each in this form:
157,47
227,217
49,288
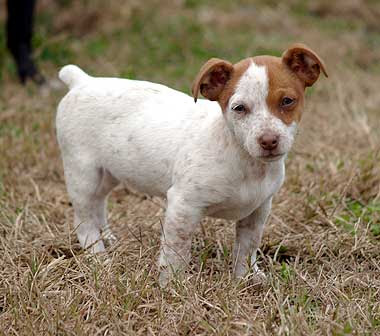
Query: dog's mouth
271,157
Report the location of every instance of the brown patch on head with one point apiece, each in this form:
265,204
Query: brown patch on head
282,83
298,68
238,71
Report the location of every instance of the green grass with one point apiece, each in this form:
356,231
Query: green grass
367,214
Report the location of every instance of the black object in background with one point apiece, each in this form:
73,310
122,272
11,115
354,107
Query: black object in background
19,37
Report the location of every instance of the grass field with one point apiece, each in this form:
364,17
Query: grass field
321,246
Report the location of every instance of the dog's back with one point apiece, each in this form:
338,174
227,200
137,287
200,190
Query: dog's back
129,126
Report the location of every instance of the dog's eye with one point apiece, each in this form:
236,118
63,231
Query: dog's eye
286,102
240,108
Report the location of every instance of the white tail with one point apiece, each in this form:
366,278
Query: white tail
72,75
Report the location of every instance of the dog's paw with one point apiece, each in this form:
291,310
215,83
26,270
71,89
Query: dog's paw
109,238
167,275
164,278
255,276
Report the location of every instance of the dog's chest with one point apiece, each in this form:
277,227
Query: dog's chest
249,193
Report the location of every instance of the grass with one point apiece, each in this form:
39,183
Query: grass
321,246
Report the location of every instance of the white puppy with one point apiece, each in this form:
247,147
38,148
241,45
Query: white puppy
222,157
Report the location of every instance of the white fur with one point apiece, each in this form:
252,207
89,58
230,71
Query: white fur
160,142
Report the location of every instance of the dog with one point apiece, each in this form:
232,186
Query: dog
222,156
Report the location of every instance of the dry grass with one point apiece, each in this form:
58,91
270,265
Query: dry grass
321,248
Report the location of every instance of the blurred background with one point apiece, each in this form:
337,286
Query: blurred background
146,40
321,246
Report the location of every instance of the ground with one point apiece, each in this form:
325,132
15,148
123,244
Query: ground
321,247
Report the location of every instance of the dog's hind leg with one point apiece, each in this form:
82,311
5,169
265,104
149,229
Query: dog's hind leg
88,188
107,184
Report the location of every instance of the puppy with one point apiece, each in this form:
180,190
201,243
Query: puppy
221,157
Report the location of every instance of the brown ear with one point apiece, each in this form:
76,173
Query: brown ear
212,79
304,62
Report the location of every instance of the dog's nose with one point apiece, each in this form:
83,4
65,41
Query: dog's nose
268,141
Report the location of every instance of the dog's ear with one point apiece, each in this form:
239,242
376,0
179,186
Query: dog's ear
304,62
211,79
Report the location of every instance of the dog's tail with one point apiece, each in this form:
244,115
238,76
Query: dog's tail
72,75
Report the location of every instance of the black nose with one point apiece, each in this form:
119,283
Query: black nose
268,141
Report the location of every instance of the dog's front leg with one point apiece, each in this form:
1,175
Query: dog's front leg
248,238
182,217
